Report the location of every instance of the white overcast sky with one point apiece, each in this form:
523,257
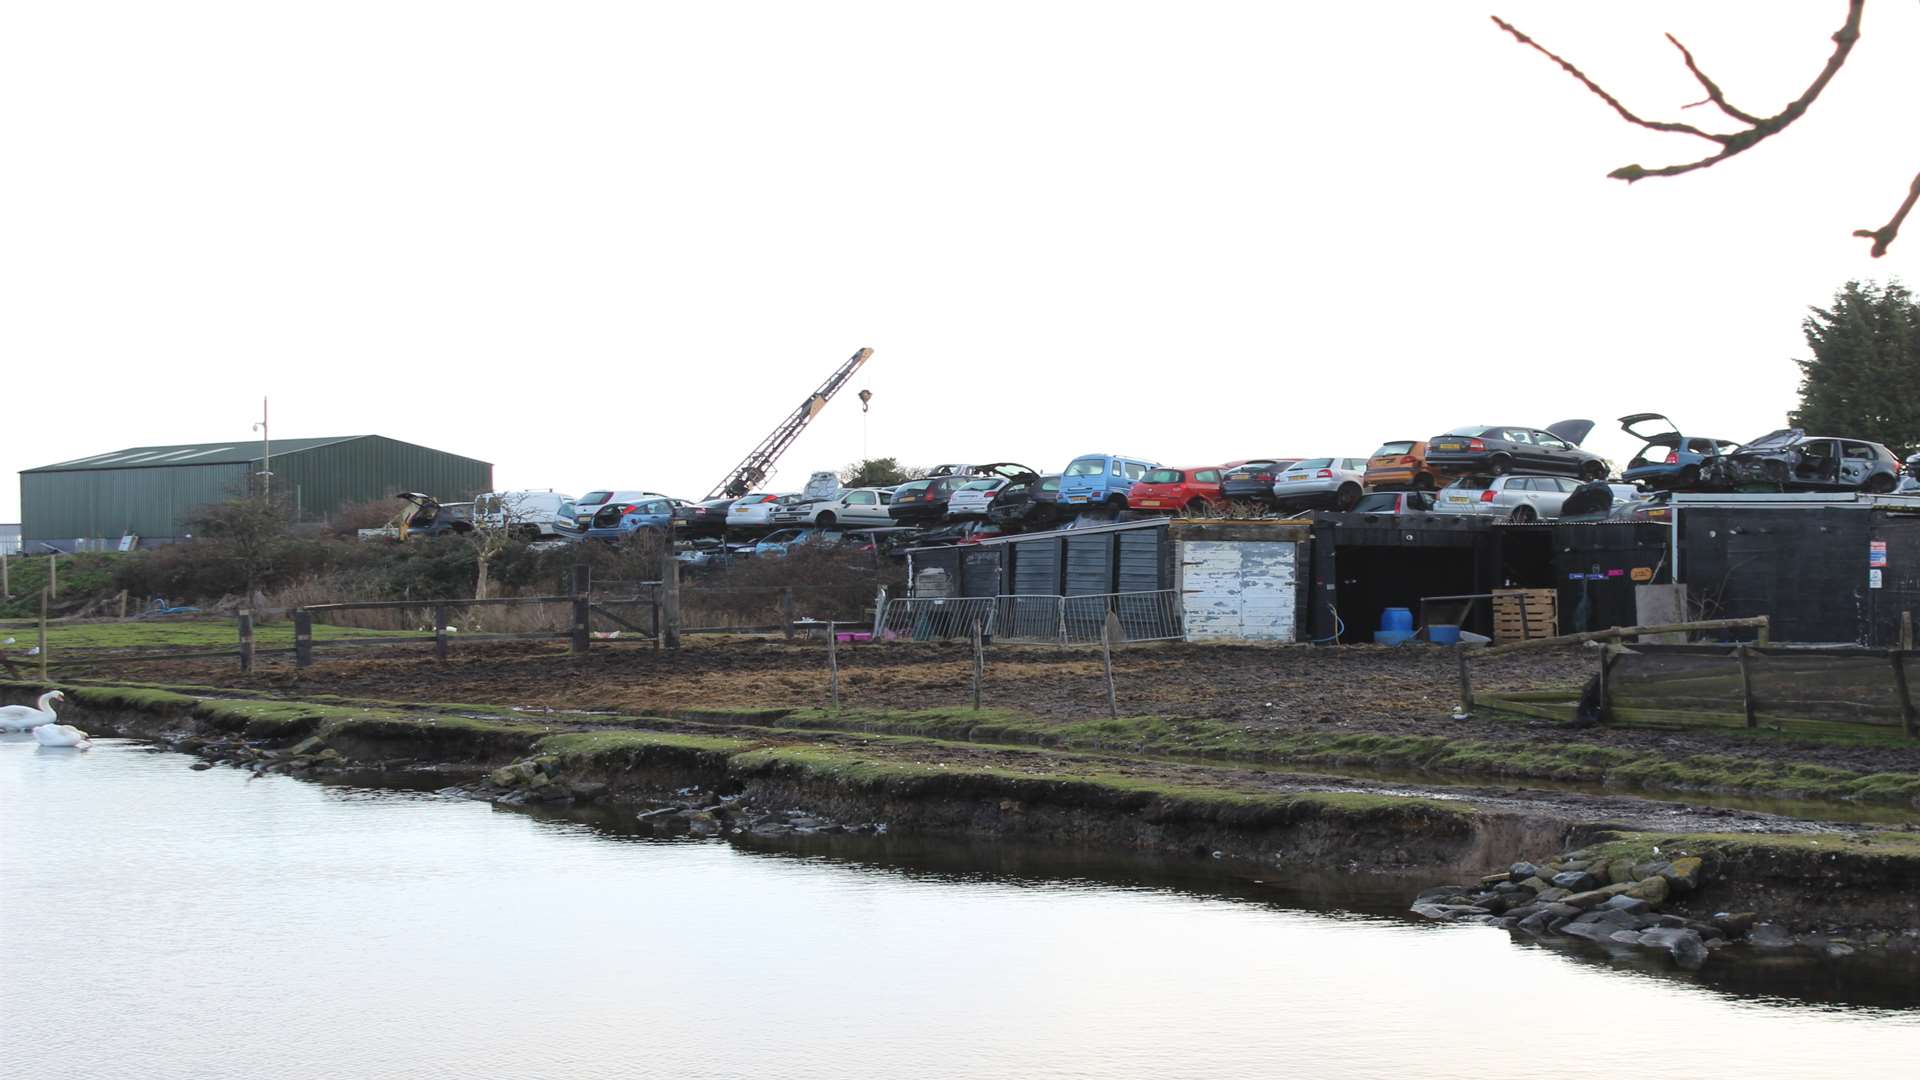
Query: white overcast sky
612,244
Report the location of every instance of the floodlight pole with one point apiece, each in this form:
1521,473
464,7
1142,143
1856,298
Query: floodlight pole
266,454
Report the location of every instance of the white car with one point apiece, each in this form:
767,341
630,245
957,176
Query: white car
755,510
1515,497
593,502
1337,482
860,507
975,497
535,515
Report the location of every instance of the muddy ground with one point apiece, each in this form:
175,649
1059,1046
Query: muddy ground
1263,689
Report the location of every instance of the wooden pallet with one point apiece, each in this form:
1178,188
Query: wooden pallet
1539,617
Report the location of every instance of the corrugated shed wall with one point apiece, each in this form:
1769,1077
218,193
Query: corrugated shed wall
375,468
106,503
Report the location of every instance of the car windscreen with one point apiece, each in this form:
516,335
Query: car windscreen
1379,502
1088,466
1475,430
1312,463
912,489
593,498
1394,449
1051,483
982,485
1165,476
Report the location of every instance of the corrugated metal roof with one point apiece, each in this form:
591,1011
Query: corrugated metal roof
238,452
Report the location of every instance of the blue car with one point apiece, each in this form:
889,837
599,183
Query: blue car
1101,480
619,521
1669,460
780,541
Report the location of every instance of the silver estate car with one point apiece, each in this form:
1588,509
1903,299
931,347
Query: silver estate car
1514,497
1336,482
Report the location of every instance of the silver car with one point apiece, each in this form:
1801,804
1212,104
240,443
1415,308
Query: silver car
1514,497
1337,482
859,507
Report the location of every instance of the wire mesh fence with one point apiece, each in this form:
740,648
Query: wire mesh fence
1034,619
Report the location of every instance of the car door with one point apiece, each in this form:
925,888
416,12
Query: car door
1819,462
1857,460
1554,453
1526,456
1551,496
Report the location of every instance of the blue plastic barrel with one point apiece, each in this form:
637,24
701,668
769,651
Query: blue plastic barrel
1392,637
1396,618
1442,634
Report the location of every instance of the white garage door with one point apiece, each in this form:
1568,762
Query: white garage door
1239,589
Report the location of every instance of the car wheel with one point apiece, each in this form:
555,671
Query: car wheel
1501,465
1880,484
1346,497
826,519
1593,470
1522,514
1423,482
1117,503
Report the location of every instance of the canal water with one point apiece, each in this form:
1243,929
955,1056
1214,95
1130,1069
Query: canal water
157,921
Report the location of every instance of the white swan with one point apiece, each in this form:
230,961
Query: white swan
61,735
22,718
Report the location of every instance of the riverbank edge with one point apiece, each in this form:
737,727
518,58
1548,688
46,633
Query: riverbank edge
1737,772
1865,881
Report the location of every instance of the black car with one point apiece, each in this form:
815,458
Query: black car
1252,481
924,502
1499,449
1028,505
703,518
1791,460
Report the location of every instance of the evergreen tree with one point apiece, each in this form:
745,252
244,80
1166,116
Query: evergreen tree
1863,380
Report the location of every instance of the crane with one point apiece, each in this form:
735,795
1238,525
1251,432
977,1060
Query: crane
758,465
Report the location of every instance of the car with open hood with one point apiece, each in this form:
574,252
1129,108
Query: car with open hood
1499,449
1670,460
1792,460
1172,491
1028,506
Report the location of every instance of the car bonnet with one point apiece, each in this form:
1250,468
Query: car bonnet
1574,431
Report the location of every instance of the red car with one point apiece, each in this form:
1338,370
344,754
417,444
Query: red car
1172,491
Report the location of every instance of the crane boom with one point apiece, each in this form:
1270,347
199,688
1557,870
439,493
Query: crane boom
758,465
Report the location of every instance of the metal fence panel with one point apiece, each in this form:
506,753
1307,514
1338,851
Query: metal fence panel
935,618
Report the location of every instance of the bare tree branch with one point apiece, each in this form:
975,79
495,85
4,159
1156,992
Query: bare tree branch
1758,128
1884,235
1713,89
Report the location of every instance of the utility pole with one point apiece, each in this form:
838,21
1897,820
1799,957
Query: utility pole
266,453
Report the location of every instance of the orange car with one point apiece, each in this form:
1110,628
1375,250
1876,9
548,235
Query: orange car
1402,466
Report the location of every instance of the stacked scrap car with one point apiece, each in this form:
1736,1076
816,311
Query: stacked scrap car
1498,449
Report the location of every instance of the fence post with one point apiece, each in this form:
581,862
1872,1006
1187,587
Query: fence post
1746,686
439,631
302,637
6,585
1061,607
246,641
786,611
979,663
1906,631
1466,679
1605,663
123,603
879,612
653,608
53,575
43,634
579,588
669,598
833,665
1762,635
1907,715
1106,655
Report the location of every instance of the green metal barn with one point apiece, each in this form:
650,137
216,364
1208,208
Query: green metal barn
152,492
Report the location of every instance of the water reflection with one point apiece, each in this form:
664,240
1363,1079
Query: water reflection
279,929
